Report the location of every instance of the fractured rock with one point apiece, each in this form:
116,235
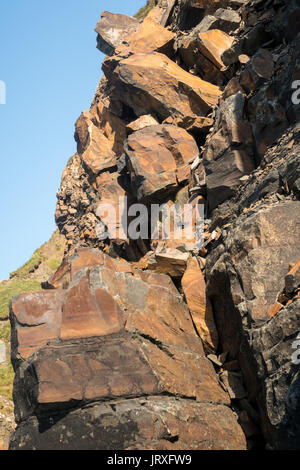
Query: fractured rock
150,36
194,289
112,29
139,124
153,84
100,136
158,160
202,51
228,20
229,154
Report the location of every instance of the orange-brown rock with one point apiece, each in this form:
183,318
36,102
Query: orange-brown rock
213,43
112,29
161,12
158,160
292,279
150,36
115,333
153,84
194,289
100,136
202,53
275,309
143,121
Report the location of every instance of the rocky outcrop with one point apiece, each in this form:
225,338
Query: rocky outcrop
115,334
150,343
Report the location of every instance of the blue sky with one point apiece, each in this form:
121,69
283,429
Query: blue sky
51,67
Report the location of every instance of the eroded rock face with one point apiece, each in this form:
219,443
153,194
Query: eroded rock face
249,266
210,121
158,160
116,333
229,152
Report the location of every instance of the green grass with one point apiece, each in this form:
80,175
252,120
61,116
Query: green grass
14,287
6,381
35,260
143,12
54,263
5,332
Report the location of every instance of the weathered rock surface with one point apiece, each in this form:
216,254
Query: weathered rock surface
194,288
153,84
158,160
249,266
202,51
115,333
112,29
229,152
157,423
150,36
100,136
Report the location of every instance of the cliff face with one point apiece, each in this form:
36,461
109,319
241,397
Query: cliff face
161,343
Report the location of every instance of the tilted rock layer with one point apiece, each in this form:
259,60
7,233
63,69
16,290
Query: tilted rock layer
162,344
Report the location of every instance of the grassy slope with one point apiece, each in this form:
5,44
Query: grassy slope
28,278
143,12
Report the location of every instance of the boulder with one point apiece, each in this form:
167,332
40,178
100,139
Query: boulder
169,261
212,44
202,51
150,36
139,124
194,288
114,335
153,84
158,159
112,29
100,136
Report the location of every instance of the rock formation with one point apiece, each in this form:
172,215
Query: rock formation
162,344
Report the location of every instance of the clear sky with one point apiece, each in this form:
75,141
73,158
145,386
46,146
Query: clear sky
51,67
